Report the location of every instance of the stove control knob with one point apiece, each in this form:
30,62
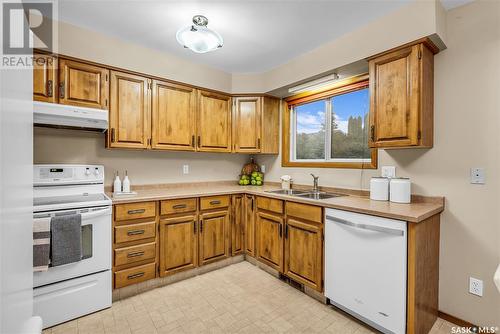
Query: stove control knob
87,171
96,172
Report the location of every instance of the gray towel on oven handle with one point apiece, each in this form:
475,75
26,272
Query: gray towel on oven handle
66,243
41,244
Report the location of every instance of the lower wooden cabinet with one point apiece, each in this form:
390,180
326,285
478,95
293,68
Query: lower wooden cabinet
237,225
134,275
249,208
179,244
213,236
269,239
304,252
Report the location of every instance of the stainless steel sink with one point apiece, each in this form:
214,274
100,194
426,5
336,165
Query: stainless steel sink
289,192
320,195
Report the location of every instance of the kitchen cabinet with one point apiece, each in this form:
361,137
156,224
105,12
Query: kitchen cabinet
237,224
401,97
174,116
129,114
249,212
213,236
214,122
45,78
82,84
178,244
269,239
304,244
256,125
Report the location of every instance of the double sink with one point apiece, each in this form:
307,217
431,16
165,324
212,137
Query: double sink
306,194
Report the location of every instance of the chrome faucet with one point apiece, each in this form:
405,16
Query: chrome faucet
315,184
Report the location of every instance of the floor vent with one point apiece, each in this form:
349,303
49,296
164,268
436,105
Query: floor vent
292,283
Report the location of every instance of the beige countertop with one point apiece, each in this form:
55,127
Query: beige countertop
357,201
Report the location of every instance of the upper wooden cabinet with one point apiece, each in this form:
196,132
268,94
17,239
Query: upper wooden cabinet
82,84
214,122
401,97
129,114
256,125
45,78
174,117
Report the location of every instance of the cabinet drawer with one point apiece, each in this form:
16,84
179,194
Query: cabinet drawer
214,202
178,206
135,275
133,254
135,232
135,210
270,204
304,211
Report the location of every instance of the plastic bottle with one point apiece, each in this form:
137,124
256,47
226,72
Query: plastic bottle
117,185
126,183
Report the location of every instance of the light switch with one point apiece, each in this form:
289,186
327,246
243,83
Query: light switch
185,169
263,168
477,176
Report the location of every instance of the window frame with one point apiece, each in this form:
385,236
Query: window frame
288,140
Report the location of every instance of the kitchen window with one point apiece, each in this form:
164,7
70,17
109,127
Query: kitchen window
329,128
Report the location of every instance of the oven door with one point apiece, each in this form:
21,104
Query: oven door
96,246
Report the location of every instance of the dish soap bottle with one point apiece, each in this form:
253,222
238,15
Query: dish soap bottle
117,185
126,183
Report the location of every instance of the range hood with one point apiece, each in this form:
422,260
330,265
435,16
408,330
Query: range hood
60,115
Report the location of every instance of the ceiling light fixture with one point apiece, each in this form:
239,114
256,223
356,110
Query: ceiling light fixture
198,38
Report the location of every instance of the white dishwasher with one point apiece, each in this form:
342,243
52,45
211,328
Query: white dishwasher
365,268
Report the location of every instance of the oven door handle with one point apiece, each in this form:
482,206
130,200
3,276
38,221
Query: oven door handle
96,213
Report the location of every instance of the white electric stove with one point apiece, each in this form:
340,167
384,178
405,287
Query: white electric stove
69,291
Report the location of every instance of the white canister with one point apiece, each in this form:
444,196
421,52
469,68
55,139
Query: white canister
400,190
286,180
379,188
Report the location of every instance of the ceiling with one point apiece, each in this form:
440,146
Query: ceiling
258,35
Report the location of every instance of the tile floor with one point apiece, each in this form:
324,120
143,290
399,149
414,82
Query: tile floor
240,298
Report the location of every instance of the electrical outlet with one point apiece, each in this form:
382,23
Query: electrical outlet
185,169
263,168
477,175
475,286
389,171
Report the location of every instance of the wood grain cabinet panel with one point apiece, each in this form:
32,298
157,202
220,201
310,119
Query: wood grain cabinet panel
214,122
214,202
172,206
174,117
134,232
270,125
401,98
45,83
247,124
82,84
138,210
132,254
269,240
135,275
178,244
249,203
304,252
237,224
270,204
129,116
213,236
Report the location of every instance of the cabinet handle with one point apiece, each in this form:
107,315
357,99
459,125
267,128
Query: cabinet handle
201,226
286,231
258,143
136,275
135,232
199,141
131,212
281,231
135,254
192,141
215,202
372,130
49,88
194,227
61,90
112,135
179,206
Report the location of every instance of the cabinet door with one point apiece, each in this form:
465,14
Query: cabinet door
394,98
237,225
214,236
250,225
214,122
174,118
178,244
129,116
44,78
247,124
83,85
304,252
269,243
270,125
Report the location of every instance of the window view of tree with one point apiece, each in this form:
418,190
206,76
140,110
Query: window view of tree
350,125
310,137
347,132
